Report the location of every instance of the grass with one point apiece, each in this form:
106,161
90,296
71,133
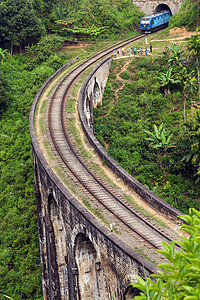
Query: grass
159,41
96,212
75,90
42,125
50,92
70,107
43,106
142,253
50,154
146,213
64,177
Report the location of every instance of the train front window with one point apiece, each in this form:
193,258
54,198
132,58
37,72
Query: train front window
145,21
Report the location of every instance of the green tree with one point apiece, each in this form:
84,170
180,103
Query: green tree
3,96
175,54
87,31
3,54
19,25
46,47
188,81
166,79
194,48
180,277
60,11
161,141
193,136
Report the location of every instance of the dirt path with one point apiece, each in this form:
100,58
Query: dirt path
117,90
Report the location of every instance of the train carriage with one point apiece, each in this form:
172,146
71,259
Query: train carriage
155,21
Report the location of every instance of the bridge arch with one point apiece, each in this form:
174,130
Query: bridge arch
87,110
131,292
51,213
52,207
93,97
91,281
97,95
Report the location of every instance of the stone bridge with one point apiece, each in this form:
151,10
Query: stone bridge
81,259
152,6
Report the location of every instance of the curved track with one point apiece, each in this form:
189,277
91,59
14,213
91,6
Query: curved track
134,226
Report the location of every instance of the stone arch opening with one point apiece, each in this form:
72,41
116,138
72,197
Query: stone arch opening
36,173
96,94
37,187
131,292
162,7
51,213
87,110
90,274
52,207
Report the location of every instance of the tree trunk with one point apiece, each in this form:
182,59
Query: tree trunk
159,161
184,108
198,77
11,50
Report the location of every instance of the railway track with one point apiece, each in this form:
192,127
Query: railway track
135,229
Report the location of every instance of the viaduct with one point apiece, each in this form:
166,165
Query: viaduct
82,259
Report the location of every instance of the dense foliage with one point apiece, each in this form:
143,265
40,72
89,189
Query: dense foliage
143,124
179,278
3,97
19,26
20,276
188,15
23,22
115,16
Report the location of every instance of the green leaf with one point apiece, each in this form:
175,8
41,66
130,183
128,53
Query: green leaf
166,267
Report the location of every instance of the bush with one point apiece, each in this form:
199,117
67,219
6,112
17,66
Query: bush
54,61
125,75
47,46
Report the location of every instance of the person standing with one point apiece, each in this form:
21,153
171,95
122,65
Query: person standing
146,52
134,50
114,53
150,48
123,52
140,51
129,50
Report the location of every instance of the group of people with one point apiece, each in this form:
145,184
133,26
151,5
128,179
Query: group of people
146,50
122,51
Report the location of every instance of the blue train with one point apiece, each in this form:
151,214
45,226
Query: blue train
154,22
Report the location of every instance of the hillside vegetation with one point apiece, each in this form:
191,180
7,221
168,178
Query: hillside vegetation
20,276
188,15
23,23
20,79
149,122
